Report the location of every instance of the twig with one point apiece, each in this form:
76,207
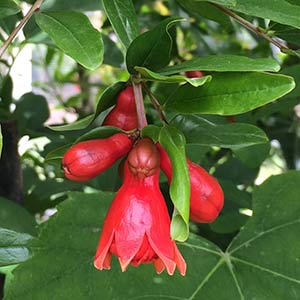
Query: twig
252,27
155,103
33,8
140,109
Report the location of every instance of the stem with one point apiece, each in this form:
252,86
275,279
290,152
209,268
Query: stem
155,103
33,8
139,103
252,27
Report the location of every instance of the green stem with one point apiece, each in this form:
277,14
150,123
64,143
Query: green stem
139,102
11,37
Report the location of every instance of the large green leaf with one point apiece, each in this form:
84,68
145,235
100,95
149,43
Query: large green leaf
106,100
224,63
198,130
281,11
153,48
8,8
17,228
174,143
87,5
261,263
122,17
74,34
230,93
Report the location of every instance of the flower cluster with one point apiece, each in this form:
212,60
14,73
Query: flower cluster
137,225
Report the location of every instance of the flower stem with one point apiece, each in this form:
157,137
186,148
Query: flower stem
139,103
253,28
37,4
155,103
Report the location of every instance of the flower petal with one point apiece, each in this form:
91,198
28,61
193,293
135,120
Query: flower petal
103,255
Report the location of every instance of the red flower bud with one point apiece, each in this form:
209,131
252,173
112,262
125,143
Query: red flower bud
143,159
137,228
194,74
87,159
124,114
207,199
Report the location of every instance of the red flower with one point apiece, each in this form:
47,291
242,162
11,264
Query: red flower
137,228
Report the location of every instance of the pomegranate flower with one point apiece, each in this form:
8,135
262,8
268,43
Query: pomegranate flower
137,228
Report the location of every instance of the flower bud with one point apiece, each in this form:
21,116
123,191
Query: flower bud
143,159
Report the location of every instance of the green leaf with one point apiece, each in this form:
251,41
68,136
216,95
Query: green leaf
122,17
198,130
230,93
281,11
8,8
224,63
107,99
153,48
151,131
17,228
152,76
31,113
261,263
87,5
174,142
74,34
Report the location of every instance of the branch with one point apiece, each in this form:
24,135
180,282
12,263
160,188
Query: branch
139,103
33,8
155,103
253,28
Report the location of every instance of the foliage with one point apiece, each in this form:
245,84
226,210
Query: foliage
240,121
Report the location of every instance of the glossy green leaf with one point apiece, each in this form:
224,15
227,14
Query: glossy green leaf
198,130
107,99
74,34
281,11
17,228
261,263
224,63
153,48
230,93
87,5
122,17
174,142
8,8
153,76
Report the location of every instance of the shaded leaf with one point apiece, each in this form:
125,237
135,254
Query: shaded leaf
262,262
198,130
8,8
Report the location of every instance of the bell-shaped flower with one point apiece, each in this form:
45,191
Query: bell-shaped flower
137,227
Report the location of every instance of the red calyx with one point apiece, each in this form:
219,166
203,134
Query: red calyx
137,227
194,74
124,114
207,198
143,159
87,159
